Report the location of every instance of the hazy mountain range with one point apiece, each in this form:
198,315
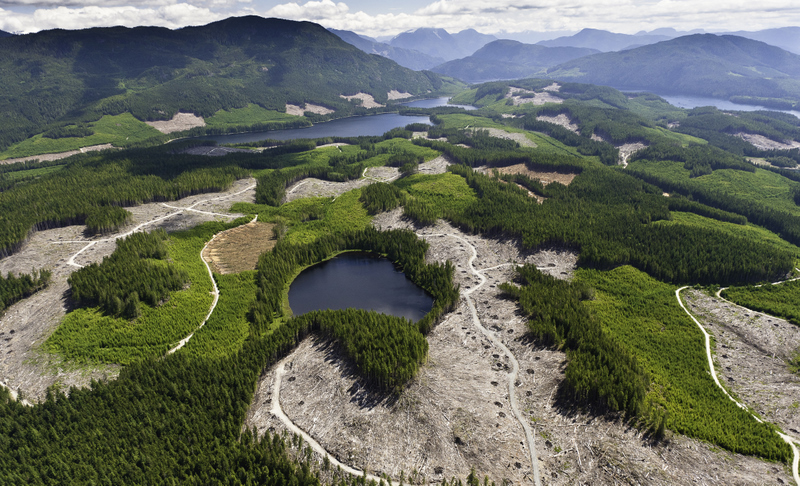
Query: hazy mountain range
508,59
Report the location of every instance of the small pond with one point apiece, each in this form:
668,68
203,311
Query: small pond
361,281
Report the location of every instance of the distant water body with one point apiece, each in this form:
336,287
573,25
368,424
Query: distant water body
354,126
688,101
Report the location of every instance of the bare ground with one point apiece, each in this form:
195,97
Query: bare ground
764,143
543,176
561,120
58,156
398,95
538,98
367,101
179,123
237,249
297,110
435,166
455,414
752,350
27,324
312,187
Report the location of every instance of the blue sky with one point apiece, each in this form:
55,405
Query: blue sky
392,17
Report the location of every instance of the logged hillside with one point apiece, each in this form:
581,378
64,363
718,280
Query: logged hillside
508,59
702,64
55,78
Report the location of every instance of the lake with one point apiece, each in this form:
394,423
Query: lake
354,126
688,101
358,280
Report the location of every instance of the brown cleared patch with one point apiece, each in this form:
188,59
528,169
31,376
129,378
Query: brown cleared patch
238,249
542,176
178,123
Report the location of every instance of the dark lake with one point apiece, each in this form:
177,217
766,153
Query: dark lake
343,127
361,281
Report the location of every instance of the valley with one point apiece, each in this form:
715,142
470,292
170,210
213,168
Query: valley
595,266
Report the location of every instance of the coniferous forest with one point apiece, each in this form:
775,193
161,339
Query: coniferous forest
629,349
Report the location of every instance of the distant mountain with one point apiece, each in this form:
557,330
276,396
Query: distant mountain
603,40
787,38
532,36
670,32
508,59
405,57
440,43
5,34
61,76
700,64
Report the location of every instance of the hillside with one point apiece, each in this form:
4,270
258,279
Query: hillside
405,57
5,34
787,38
442,44
58,77
702,64
508,59
603,40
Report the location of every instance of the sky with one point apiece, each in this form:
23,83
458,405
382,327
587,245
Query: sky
388,18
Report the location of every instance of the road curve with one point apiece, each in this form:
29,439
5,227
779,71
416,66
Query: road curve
789,440
512,377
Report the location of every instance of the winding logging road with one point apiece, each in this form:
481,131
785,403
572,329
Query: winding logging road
789,440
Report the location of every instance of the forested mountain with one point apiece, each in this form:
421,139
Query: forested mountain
59,76
508,59
5,34
405,57
603,40
701,64
440,43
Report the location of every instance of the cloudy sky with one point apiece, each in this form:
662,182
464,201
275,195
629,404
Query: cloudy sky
392,17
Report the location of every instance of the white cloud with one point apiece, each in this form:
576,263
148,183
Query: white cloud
627,16
171,16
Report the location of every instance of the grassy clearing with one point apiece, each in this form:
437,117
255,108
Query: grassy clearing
249,115
24,174
749,232
447,193
119,130
643,313
761,186
86,335
228,327
781,300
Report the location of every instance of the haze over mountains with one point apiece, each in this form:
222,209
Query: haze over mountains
508,59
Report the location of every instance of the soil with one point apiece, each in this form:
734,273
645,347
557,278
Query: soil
238,249
538,98
434,166
764,143
58,156
312,187
179,123
561,120
455,414
628,149
24,366
367,101
542,176
398,95
752,351
301,110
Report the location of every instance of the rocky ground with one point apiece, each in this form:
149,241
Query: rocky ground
27,324
178,123
752,350
58,156
456,414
